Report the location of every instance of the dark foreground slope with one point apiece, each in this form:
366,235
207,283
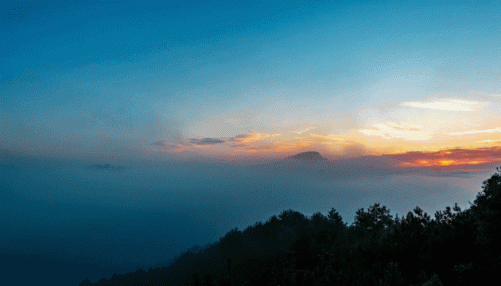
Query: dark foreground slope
454,248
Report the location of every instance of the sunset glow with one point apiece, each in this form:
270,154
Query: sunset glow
399,127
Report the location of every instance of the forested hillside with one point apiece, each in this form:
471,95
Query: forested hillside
456,247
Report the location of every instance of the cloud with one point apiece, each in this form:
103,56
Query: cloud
241,141
447,104
171,147
489,94
354,150
404,126
417,124
206,141
328,138
161,143
434,121
494,130
489,141
449,157
247,138
302,131
104,167
390,130
256,142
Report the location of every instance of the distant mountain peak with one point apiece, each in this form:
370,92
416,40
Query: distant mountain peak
307,156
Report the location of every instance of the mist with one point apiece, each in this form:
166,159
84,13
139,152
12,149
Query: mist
77,219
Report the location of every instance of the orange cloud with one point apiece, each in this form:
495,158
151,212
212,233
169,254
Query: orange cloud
247,138
451,157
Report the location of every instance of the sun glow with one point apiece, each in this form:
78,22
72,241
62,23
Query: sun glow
446,162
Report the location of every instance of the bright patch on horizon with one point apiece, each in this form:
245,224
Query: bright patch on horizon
452,157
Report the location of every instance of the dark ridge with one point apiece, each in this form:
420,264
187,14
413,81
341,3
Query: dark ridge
309,156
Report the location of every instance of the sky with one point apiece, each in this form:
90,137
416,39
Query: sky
249,81
189,96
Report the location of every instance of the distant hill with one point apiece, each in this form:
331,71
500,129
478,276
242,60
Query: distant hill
307,156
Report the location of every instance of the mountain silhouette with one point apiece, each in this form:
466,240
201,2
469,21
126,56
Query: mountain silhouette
307,156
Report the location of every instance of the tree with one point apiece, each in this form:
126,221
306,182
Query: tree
487,210
196,279
292,218
102,282
434,281
85,282
208,280
376,217
335,218
393,276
